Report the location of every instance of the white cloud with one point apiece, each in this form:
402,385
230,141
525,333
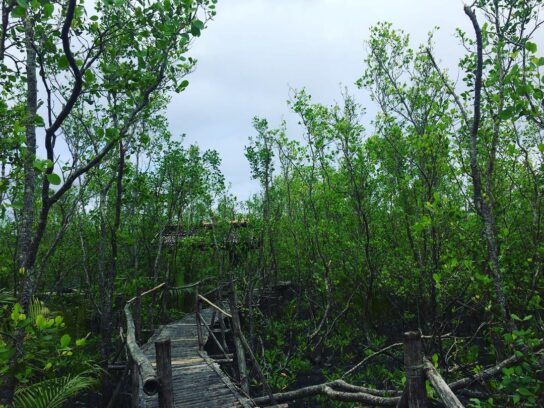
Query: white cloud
255,50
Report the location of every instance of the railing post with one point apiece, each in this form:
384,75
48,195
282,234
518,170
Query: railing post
164,303
164,372
197,319
135,384
415,377
138,314
237,331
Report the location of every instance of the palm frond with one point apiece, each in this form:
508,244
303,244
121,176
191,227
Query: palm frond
36,308
53,393
6,296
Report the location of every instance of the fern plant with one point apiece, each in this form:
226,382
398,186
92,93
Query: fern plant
54,393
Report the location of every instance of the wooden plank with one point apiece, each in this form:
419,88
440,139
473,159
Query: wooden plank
197,381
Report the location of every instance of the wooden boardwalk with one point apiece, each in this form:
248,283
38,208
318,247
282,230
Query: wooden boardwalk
197,380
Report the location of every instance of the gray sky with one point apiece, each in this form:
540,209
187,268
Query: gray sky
256,50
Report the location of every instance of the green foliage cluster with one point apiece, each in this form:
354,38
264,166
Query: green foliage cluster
385,229
427,215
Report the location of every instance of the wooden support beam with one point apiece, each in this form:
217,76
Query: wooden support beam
240,354
197,319
134,386
138,314
213,336
415,377
209,302
257,367
164,371
449,399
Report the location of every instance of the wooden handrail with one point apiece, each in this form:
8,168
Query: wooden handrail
209,302
149,376
192,285
147,292
210,331
147,372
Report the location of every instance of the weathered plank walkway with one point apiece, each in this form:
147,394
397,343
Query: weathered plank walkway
197,379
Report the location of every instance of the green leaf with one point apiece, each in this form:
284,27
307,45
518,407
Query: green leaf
65,341
18,12
531,46
541,147
54,179
181,87
199,24
63,62
48,10
39,165
112,133
196,27
89,76
507,113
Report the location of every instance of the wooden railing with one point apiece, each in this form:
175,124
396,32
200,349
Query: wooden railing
140,362
240,343
418,368
160,380
414,394
153,380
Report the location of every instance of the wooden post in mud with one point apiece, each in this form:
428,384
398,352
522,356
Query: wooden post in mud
134,385
237,331
164,372
414,395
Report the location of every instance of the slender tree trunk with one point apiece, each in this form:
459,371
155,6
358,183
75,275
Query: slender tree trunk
481,203
7,6
109,283
29,192
29,196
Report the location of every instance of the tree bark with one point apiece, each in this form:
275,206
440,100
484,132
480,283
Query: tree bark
29,198
481,203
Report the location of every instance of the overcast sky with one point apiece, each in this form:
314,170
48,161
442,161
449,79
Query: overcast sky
255,51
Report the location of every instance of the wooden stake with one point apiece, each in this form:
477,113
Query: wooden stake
415,377
240,354
164,372
135,385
